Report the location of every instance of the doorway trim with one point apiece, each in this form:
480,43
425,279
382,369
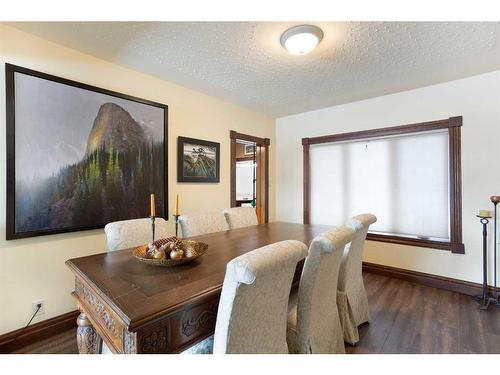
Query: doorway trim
262,142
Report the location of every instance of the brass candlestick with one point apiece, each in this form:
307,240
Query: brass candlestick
176,217
153,226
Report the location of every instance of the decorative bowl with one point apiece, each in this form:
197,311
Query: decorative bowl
197,249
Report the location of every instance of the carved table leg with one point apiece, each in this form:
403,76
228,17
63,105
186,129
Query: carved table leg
88,340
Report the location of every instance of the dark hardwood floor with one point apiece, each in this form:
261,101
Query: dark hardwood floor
405,318
63,343
412,318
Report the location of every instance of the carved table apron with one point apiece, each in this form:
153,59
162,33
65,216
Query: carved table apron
138,308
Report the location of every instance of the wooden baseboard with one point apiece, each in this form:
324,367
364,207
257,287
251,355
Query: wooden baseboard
17,339
441,282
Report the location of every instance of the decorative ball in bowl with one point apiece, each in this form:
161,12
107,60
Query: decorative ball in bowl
171,251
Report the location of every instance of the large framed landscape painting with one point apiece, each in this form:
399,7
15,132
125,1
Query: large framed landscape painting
197,160
78,156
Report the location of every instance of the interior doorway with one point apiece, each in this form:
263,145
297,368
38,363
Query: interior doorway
250,173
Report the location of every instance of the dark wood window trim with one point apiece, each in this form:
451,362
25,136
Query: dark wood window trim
263,142
453,124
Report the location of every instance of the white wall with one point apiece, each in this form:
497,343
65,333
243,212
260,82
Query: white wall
476,98
32,269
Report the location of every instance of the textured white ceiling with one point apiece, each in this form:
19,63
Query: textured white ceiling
244,63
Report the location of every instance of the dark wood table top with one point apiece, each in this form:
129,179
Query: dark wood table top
138,292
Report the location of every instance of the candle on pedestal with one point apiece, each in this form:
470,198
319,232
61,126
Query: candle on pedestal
153,206
484,213
177,205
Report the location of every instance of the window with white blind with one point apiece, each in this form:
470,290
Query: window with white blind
408,176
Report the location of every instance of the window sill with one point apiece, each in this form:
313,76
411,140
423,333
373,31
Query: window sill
457,248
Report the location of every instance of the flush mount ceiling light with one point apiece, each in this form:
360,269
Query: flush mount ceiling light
300,40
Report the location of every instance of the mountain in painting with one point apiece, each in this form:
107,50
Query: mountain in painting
114,125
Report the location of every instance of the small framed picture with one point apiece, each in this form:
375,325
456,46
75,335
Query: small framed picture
249,149
197,160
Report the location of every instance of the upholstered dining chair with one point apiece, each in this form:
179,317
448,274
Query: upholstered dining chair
240,217
129,233
253,304
352,300
202,223
313,319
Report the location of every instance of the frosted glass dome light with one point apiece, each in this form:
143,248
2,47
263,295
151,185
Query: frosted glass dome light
300,40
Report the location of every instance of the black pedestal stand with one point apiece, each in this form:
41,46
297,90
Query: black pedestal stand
485,299
495,199
176,217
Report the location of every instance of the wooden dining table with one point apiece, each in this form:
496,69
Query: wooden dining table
140,308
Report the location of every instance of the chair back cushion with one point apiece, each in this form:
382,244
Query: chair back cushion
352,260
318,324
202,223
253,306
239,217
136,232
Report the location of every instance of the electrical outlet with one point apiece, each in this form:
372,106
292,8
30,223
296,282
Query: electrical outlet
42,309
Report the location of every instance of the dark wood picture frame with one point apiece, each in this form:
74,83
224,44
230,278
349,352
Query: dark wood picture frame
10,71
453,125
180,160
